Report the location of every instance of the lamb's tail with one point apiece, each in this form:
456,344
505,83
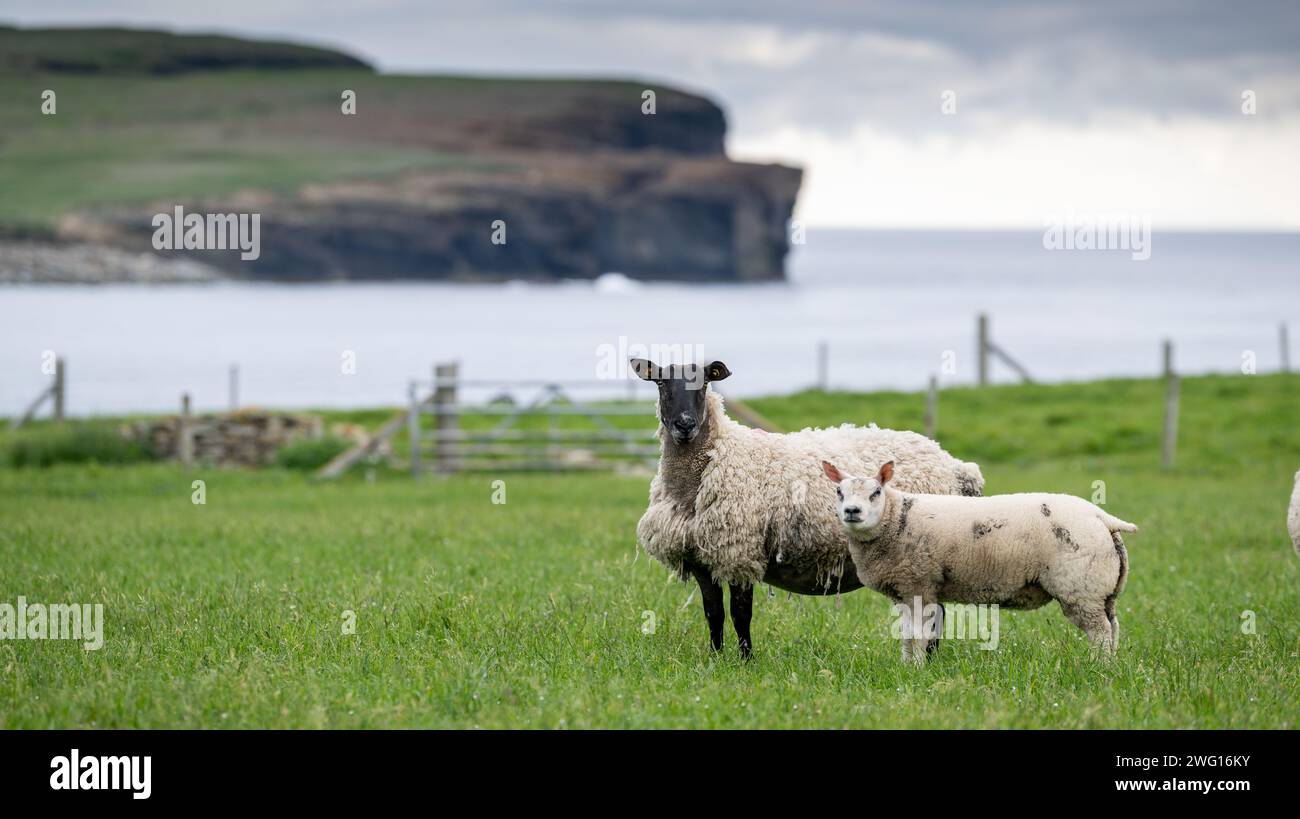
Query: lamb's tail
970,481
1115,524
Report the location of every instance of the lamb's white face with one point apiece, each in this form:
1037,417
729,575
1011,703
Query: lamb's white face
861,503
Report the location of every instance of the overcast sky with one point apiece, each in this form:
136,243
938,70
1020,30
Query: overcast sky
1074,106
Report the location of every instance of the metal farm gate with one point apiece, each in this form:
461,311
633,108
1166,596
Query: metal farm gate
529,425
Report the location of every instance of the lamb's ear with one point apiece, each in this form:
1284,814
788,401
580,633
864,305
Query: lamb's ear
645,369
831,472
886,473
716,371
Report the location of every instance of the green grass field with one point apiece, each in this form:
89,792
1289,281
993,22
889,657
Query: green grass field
531,613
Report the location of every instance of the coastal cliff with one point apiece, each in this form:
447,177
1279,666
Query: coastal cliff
440,178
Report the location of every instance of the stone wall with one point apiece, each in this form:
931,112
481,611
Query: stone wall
245,438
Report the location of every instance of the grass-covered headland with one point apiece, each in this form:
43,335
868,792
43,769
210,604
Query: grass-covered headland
535,612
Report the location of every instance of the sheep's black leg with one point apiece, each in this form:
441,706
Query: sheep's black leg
742,608
711,595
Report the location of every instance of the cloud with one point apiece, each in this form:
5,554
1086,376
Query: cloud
1184,174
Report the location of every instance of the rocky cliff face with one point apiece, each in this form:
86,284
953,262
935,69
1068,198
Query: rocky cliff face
497,178
554,216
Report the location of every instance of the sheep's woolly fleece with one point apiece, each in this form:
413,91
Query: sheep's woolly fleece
762,497
1015,550
1293,517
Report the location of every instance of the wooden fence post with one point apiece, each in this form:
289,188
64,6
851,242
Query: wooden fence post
234,387
982,347
932,410
823,365
445,420
185,432
1285,347
1168,366
413,427
60,387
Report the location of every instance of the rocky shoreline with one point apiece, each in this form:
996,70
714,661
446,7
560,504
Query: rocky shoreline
30,262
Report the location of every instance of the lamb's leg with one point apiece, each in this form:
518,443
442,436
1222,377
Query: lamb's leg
931,618
1091,617
903,612
742,608
711,596
932,645
911,622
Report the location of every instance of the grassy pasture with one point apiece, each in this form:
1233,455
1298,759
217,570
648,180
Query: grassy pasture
531,613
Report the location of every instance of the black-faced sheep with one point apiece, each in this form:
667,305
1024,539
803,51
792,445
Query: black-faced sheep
1018,551
735,505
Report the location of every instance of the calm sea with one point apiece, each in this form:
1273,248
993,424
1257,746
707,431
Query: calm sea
892,307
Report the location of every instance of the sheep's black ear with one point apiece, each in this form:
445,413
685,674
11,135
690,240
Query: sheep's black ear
645,369
831,472
716,371
886,473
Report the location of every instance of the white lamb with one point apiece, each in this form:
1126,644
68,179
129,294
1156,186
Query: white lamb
1018,551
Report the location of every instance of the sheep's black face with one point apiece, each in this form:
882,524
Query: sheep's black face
682,395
